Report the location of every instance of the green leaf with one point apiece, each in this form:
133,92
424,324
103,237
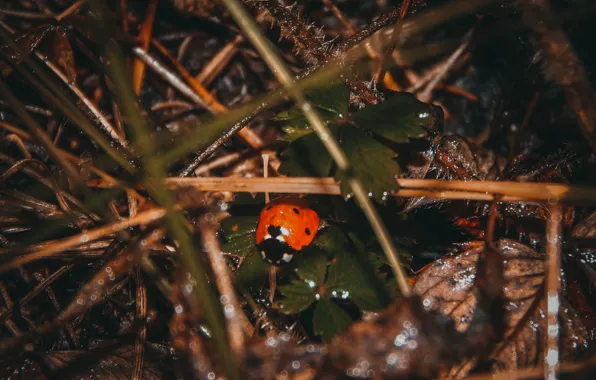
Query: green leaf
301,292
372,162
253,271
330,319
239,234
334,99
398,118
307,157
331,239
352,277
349,276
332,103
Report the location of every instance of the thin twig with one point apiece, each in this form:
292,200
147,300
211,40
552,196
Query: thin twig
426,95
57,246
100,173
219,61
138,70
554,229
394,39
70,10
235,318
352,31
40,134
218,162
24,301
53,93
141,319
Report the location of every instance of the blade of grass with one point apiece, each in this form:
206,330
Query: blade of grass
153,167
278,67
154,170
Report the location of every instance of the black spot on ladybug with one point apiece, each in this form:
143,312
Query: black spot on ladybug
296,211
274,231
307,231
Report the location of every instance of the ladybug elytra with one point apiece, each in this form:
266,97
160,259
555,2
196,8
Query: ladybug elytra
286,225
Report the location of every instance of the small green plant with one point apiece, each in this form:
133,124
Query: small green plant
341,274
368,137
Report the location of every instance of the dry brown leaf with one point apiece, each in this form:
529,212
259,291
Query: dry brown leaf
445,286
63,54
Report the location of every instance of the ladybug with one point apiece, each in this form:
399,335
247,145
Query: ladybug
286,225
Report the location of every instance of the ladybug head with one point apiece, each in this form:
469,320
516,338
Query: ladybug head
274,248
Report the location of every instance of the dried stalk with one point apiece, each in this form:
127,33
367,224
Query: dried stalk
554,238
235,317
431,188
141,319
57,246
138,70
426,94
219,61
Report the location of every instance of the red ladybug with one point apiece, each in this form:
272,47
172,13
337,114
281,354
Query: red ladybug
286,225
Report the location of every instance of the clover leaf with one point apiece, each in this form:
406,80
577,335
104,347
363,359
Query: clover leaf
332,104
239,234
331,271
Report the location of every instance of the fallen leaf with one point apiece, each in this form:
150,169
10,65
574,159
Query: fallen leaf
446,286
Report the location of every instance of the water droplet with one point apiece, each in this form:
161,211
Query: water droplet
552,358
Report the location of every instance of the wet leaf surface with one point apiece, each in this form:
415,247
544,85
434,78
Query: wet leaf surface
446,286
253,270
330,319
331,270
238,233
332,104
372,162
307,157
400,118
302,291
